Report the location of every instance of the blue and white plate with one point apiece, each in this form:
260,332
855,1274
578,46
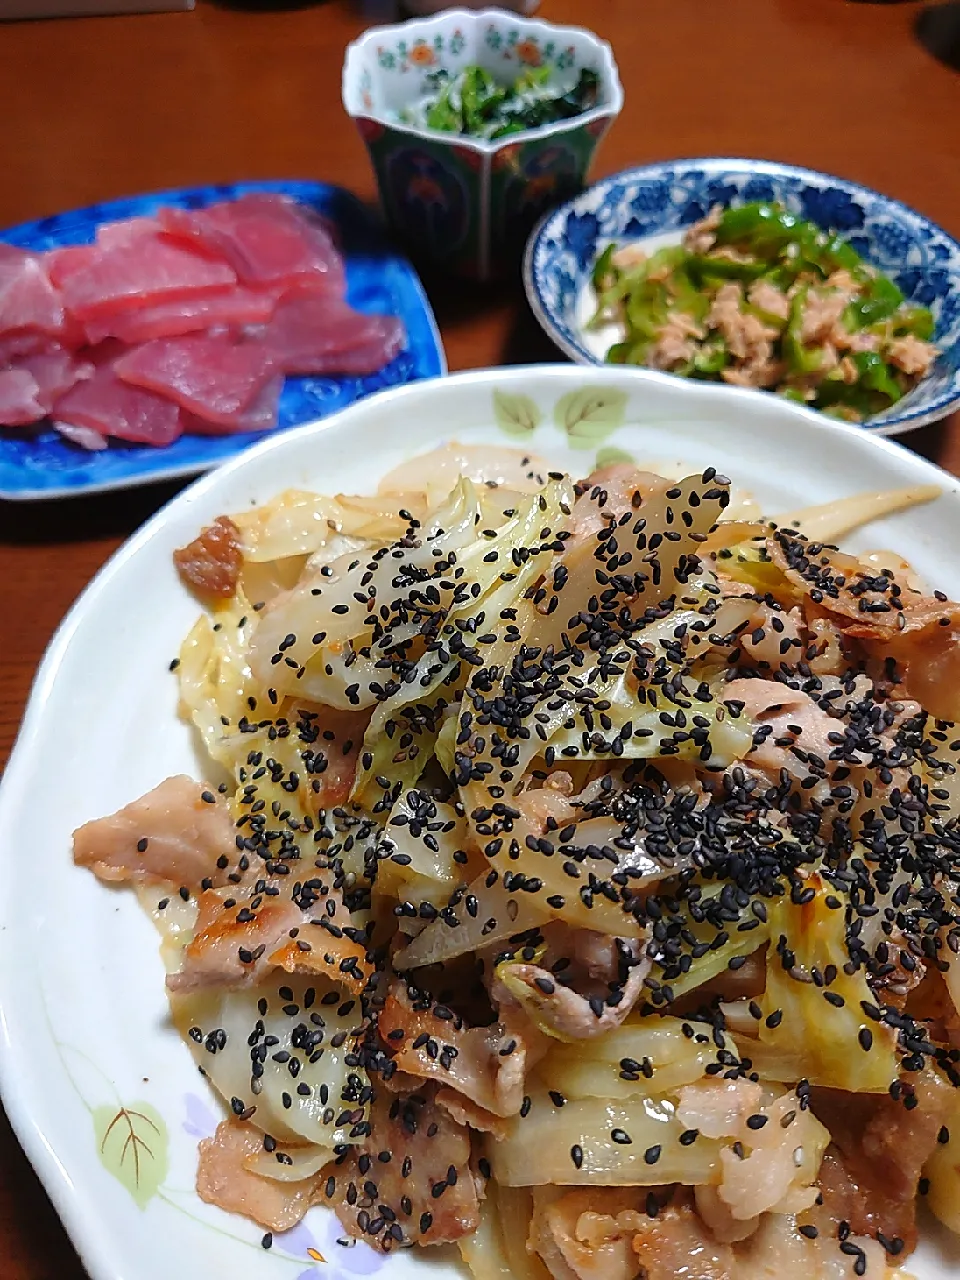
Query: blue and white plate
40,464
654,204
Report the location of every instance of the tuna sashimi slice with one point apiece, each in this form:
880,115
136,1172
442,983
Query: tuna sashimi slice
310,333
233,308
267,239
111,234
28,300
55,372
24,342
19,398
69,259
110,407
215,376
149,268
261,414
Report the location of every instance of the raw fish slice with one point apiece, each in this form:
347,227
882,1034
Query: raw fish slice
19,398
214,376
55,372
149,268
61,263
111,234
231,307
266,239
25,342
27,298
261,414
311,333
85,437
113,408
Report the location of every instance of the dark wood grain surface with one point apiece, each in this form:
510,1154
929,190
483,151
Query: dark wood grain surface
100,107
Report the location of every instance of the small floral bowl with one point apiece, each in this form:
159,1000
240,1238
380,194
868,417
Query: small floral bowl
467,203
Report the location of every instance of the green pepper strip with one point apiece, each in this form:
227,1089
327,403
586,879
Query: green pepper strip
800,359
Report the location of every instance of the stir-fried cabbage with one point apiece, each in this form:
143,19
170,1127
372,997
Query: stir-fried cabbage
578,844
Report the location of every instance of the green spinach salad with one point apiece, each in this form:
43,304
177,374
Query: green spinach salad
472,102
757,297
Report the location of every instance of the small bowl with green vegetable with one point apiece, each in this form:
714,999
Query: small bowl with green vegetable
760,275
477,122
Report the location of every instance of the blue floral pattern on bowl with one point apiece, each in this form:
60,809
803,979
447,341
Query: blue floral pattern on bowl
41,464
666,198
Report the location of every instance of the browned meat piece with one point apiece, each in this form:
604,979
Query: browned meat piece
176,833
211,563
588,1233
870,1172
414,1164
222,1180
676,1244
231,945
472,1060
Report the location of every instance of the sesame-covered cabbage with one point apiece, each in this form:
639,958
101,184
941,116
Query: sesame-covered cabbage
576,878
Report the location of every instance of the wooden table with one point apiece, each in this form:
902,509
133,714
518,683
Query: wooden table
95,108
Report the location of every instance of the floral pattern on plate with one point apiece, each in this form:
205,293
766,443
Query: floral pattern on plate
661,199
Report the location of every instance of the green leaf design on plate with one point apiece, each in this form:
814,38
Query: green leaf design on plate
607,457
516,415
590,414
132,1143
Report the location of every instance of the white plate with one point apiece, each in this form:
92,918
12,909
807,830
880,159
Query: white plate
85,1038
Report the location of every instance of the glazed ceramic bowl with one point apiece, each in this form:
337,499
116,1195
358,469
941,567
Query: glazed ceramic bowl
466,203
652,206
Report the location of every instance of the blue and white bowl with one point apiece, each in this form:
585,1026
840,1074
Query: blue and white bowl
655,204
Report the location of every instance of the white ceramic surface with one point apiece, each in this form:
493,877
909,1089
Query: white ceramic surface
84,1034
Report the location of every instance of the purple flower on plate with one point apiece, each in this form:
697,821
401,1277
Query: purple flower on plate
321,1246
201,1121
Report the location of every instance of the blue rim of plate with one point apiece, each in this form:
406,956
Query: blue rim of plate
36,465
670,195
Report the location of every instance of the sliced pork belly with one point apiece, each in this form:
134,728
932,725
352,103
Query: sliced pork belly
19,398
180,832
233,946
215,376
232,308
148,268
313,333
28,300
225,1179
110,407
265,238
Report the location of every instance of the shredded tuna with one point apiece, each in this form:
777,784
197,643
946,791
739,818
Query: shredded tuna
767,297
912,355
700,236
674,344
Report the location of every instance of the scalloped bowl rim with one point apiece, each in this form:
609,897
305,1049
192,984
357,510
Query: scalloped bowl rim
922,415
610,75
